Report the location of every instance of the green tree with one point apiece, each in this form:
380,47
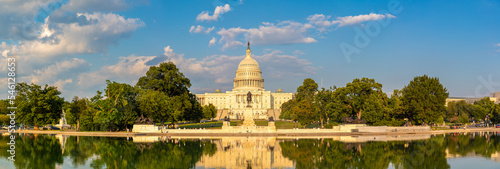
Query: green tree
158,106
37,106
303,108
4,104
322,100
209,111
361,99
396,105
286,109
118,110
307,90
424,99
341,104
304,113
76,110
482,108
451,111
495,114
4,120
191,109
167,79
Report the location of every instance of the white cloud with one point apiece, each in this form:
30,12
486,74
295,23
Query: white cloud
59,70
278,65
212,41
351,20
23,7
127,70
320,21
219,10
58,40
59,74
61,83
298,52
218,71
18,18
200,29
289,32
498,44
285,32
95,5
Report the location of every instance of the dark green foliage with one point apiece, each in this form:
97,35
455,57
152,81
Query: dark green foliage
209,111
495,114
165,78
76,110
364,99
302,108
307,90
158,106
38,106
286,109
421,101
482,109
3,106
424,100
304,113
118,109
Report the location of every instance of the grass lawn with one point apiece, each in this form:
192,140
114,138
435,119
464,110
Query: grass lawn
216,124
285,125
258,123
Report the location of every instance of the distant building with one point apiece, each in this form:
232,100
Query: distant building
495,97
248,78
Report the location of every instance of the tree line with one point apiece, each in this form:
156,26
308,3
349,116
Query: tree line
422,101
162,94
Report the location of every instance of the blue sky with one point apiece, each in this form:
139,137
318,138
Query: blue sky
77,45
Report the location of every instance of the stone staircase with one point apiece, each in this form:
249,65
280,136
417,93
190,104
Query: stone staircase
221,113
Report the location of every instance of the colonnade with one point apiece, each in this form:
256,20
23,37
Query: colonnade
249,83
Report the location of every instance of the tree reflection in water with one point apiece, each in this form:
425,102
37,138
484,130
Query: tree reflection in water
45,151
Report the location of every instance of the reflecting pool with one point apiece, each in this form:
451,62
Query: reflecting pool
472,150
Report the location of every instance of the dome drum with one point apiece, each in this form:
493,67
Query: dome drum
248,75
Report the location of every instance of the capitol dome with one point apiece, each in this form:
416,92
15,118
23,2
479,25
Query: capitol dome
248,75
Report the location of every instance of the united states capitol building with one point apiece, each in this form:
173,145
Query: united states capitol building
248,78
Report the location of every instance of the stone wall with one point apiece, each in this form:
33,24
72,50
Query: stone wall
145,128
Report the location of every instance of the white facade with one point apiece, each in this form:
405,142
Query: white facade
248,79
495,97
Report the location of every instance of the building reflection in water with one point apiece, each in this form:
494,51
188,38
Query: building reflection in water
245,152
263,152
237,152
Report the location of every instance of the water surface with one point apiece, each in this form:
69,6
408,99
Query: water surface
473,150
